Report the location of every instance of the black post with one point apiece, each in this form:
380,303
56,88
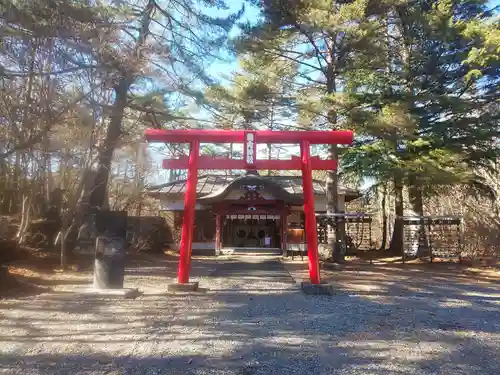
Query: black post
109,263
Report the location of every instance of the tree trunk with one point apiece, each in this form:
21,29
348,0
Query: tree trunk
3,185
383,207
96,190
100,185
98,196
337,240
416,198
417,205
64,252
25,219
47,165
16,185
80,207
396,246
139,179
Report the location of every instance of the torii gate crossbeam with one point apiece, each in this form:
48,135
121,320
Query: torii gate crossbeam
249,138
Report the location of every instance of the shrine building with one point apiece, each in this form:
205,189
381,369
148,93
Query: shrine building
243,213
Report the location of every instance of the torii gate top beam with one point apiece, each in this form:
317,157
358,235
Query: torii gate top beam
238,136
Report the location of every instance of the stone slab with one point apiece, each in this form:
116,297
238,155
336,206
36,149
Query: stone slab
184,287
125,292
317,289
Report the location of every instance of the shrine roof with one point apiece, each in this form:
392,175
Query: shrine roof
212,185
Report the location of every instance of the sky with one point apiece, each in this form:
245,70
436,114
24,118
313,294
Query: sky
222,69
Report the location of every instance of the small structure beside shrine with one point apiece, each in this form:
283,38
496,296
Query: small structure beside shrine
244,213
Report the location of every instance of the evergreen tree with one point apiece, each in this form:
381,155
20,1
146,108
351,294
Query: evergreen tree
260,96
429,118
325,39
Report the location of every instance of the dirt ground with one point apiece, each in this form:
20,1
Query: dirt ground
382,275
253,319
32,272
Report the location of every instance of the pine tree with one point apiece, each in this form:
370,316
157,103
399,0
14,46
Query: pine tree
325,39
259,96
131,59
171,46
429,118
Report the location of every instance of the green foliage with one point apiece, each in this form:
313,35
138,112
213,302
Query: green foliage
433,105
258,97
327,41
417,81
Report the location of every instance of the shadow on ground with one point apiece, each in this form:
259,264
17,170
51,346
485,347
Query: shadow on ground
254,320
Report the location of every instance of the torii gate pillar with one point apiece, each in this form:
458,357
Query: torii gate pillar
309,213
186,244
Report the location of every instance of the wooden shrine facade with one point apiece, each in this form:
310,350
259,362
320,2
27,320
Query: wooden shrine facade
228,204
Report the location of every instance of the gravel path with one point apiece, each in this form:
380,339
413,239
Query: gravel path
253,320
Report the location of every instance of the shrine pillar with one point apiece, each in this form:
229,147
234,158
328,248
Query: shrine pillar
189,212
218,231
283,229
309,212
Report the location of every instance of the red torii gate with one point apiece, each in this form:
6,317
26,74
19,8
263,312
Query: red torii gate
249,138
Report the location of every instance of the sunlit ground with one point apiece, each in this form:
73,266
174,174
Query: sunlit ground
254,320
